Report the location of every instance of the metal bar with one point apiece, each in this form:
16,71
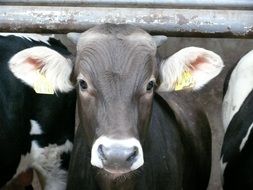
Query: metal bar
193,4
172,22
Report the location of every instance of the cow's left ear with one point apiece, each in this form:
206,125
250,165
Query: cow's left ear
43,69
189,68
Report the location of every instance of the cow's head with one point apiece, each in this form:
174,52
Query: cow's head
117,73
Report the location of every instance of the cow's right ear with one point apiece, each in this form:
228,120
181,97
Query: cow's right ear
43,69
189,68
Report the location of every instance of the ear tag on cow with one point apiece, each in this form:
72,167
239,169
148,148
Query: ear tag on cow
186,80
42,85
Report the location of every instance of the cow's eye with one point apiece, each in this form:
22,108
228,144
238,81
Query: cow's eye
150,86
83,85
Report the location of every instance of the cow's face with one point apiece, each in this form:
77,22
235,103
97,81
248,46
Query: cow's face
116,76
116,72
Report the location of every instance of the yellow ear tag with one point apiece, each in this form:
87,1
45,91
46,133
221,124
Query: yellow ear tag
42,85
185,81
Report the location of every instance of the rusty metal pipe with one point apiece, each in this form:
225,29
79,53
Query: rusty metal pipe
194,4
172,22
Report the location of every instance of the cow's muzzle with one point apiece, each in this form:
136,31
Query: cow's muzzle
117,156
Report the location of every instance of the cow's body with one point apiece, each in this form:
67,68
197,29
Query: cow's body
129,137
36,130
237,154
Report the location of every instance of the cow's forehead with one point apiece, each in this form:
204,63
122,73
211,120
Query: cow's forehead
120,53
123,32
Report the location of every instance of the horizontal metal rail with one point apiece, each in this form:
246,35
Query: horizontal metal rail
193,4
172,22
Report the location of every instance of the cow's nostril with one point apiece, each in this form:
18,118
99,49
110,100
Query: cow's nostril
101,152
133,155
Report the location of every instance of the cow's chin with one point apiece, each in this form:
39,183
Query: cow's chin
117,173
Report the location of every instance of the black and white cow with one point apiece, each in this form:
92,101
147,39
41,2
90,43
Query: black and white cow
37,109
130,136
237,153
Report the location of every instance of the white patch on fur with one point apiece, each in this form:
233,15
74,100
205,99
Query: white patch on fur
107,142
35,128
54,66
239,87
173,67
223,167
244,140
30,36
47,162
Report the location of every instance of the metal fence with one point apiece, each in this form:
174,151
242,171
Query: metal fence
201,18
